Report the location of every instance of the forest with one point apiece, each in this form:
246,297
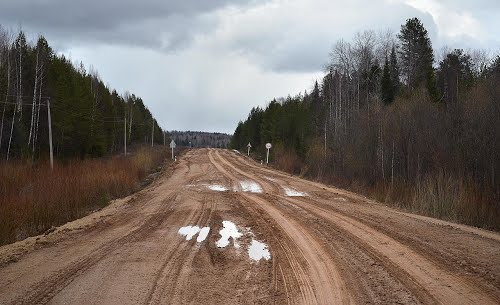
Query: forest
200,139
91,126
88,118
397,121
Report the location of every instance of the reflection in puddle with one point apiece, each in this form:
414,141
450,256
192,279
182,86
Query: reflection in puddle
228,231
290,192
250,186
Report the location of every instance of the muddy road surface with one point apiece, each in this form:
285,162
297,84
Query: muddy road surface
218,228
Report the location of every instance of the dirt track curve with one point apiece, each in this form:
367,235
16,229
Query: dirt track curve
326,246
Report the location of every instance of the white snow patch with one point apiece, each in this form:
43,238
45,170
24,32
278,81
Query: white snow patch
228,231
290,192
271,179
217,188
236,151
258,251
340,198
203,234
189,231
250,186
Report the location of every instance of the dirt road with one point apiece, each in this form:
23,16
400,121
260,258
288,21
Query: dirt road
218,228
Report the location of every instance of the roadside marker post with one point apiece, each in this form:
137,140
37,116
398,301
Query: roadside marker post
172,146
249,146
268,146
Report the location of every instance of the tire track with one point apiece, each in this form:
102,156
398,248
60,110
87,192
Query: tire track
45,290
443,285
322,272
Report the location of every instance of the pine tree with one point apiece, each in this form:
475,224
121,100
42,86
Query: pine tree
416,54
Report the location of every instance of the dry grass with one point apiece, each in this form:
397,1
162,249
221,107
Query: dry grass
446,197
33,199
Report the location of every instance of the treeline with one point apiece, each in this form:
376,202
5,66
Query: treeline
200,139
88,118
391,121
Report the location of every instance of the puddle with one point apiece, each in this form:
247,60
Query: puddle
217,188
250,186
203,234
228,231
189,231
258,251
290,192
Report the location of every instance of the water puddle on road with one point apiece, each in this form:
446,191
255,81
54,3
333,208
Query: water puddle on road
203,234
290,192
250,186
190,231
217,188
258,251
228,231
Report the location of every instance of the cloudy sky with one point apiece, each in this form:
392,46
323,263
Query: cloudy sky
203,64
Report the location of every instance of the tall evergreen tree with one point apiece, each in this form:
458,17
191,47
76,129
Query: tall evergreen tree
416,54
394,68
386,85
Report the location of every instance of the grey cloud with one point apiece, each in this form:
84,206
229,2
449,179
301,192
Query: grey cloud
303,44
150,23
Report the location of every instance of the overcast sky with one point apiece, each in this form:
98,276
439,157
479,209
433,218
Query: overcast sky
202,65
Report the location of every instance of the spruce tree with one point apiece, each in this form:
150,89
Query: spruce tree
386,84
394,69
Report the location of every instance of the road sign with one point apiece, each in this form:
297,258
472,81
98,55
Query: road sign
172,145
249,145
268,146
248,151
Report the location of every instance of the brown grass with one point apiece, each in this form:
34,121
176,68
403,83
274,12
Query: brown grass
33,199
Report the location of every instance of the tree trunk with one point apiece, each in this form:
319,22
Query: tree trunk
33,105
6,96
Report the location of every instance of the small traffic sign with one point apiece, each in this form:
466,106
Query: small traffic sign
172,146
268,146
248,151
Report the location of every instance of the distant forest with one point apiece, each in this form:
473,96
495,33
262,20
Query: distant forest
200,139
89,119
397,122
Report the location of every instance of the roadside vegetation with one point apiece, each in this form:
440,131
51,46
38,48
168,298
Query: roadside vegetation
90,126
392,120
33,199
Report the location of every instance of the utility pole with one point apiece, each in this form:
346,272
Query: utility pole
152,132
164,138
50,135
125,134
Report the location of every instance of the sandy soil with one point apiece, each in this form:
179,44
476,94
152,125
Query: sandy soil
328,246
